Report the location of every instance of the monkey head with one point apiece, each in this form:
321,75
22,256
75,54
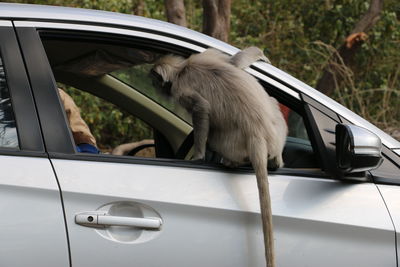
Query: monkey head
159,82
165,71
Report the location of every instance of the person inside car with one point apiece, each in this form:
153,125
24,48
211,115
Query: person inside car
84,139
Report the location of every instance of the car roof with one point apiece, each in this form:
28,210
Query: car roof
105,18
28,12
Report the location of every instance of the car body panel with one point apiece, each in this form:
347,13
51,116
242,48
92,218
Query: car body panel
391,195
202,220
32,221
211,217
97,17
324,222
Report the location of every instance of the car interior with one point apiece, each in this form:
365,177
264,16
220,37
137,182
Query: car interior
119,74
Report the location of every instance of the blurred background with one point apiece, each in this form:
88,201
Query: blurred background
347,49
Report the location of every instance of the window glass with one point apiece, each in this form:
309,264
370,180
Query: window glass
139,78
8,130
298,151
295,122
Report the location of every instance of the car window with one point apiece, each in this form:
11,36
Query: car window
298,151
8,130
114,130
138,77
91,66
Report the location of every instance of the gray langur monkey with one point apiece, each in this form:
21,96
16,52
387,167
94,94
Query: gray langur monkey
231,113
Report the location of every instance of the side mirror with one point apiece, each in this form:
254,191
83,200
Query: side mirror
357,149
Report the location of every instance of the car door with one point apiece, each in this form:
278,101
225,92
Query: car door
185,216
329,221
190,214
387,177
32,227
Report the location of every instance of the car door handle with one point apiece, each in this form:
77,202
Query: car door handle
95,219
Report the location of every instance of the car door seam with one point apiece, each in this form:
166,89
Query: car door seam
64,213
394,226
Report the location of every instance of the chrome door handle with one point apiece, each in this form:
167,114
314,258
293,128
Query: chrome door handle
96,219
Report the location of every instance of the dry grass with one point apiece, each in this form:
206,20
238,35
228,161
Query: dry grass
381,106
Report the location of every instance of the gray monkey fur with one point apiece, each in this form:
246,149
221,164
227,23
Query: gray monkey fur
247,56
231,113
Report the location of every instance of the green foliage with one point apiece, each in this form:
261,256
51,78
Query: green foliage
194,14
299,36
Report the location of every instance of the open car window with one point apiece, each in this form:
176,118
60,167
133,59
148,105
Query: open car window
115,131
120,75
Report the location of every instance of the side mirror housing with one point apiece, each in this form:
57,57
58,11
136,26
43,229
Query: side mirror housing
357,149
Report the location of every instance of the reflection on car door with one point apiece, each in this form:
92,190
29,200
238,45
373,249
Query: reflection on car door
326,222
321,221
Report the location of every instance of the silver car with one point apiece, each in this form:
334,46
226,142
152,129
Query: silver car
335,203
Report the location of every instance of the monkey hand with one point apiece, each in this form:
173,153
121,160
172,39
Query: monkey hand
274,164
257,53
248,56
263,57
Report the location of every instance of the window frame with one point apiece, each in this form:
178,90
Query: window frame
30,35
30,140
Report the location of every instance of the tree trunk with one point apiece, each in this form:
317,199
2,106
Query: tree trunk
216,18
331,78
175,10
138,8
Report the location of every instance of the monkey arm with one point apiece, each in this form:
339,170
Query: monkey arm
247,56
200,109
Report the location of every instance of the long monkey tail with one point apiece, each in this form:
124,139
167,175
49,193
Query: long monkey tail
259,159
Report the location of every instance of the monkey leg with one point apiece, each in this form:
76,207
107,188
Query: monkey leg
201,125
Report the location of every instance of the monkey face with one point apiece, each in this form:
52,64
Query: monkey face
159,83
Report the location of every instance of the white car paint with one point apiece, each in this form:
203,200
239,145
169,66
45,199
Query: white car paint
212,218
32,228
391,195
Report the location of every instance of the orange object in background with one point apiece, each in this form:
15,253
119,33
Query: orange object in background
285,111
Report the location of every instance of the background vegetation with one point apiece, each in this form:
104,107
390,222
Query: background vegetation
300,37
